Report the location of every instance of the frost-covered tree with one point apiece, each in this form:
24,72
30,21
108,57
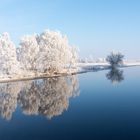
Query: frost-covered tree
27,52
72,58
53,52
115,59
8,58
46,52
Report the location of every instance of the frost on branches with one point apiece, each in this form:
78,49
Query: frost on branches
27,52
48,52
8,59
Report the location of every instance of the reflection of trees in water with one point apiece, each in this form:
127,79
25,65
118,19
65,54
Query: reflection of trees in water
115,75
8,99
49,97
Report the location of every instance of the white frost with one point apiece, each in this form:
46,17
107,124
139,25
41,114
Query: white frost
48,52
8,59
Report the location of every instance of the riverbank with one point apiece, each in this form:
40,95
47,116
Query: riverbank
81,68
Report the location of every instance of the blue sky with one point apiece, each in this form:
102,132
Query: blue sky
95,26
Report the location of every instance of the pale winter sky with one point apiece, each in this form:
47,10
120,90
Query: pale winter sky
96,26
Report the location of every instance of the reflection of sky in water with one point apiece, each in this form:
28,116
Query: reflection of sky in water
102,110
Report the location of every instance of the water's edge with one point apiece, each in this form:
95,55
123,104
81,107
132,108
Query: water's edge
94,69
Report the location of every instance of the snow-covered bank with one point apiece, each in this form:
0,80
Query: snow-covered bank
32,76
86,67
81,68
129,64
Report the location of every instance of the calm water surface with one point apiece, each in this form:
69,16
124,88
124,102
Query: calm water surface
101,105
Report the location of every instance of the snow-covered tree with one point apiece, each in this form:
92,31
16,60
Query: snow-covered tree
8,58
115,59
52,52
27,52
46,52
